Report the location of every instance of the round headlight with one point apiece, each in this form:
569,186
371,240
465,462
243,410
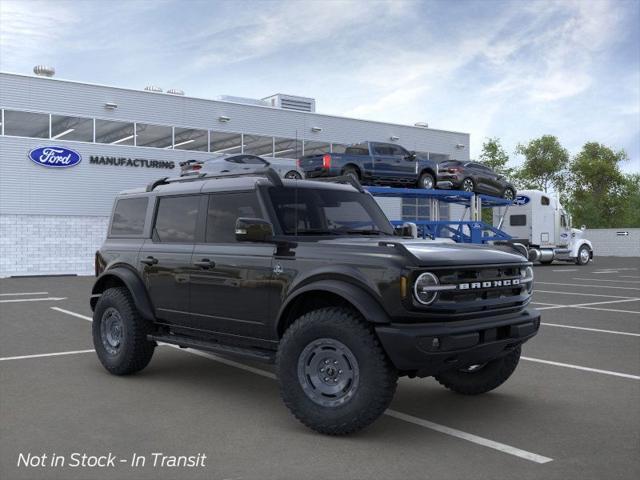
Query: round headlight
423,289
526,274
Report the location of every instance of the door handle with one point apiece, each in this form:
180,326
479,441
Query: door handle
149,260
205,263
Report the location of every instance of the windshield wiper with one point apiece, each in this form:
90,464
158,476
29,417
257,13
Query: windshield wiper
363,232
314,232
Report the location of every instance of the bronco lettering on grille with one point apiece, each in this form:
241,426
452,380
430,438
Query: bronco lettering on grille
512,282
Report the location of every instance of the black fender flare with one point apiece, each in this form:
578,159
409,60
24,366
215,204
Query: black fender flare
134,284
363,301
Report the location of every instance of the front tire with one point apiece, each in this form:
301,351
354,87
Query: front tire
120,333
478,379
351,172
333,374
584,255
509,194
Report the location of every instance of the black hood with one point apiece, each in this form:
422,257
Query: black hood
434,253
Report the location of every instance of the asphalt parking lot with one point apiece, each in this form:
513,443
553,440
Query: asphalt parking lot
571,410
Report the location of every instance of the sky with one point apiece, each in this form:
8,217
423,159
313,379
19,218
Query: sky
515,70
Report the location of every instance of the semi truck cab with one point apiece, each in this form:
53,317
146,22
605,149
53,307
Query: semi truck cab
539,221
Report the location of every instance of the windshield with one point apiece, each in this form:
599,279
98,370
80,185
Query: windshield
310,211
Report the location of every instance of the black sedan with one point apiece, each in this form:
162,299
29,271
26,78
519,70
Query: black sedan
474,177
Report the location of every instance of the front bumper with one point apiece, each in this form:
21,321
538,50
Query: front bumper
428,349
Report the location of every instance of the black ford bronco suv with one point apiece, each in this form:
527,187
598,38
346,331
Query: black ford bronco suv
311,276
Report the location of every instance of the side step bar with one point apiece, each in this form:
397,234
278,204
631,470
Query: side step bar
260,355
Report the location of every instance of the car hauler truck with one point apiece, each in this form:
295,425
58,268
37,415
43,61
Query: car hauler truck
538,221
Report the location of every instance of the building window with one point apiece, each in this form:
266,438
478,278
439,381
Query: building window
115,133
258,145
227,143
287,148
157,136
26,124
316,148
71,128
191,139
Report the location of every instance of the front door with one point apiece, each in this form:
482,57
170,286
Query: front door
166,258
231,282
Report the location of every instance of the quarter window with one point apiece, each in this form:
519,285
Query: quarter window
224,210
128,216
176,219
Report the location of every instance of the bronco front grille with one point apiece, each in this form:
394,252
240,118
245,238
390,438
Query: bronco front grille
480,290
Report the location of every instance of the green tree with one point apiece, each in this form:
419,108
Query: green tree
494,156
600,195
544,165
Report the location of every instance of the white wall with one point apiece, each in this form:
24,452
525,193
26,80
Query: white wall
49,244
607,242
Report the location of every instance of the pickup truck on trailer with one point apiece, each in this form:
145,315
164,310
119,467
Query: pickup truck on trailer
374,163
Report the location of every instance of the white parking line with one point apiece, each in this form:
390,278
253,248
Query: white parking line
634,312
588,305
16,300
629,276
73,314
533,457
40,355
469,437
579,367
567,270
603,280
589,286
583,294
598,330
22,293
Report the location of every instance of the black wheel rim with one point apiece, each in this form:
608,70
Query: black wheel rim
427,182
328,372
293,175
111,330
467,185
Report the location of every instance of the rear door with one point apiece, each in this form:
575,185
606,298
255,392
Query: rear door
166,258
383,161
231,282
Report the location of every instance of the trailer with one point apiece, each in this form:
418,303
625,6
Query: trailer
468,229
538,221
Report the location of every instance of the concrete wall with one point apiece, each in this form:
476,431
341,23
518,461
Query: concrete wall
607,242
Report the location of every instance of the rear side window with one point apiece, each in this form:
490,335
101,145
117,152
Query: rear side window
358,149
518,220
224,210
176,219
128,216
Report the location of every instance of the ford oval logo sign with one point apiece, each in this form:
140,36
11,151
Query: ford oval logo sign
55,157
521,200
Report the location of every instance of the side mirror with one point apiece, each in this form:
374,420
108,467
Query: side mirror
408,229
253,230
411,156
583,227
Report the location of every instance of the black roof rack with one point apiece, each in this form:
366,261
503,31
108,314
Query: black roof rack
268,172
341,179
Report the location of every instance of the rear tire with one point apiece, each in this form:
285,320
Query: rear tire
333,374
509,194
468,185
293,175
120,333
426,181
483,379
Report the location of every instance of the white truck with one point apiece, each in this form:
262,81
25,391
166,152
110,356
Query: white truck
538,221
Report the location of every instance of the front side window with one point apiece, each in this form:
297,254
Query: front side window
128,216
307,211
176,219
224,210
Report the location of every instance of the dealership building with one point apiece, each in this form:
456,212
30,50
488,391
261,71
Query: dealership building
52,219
